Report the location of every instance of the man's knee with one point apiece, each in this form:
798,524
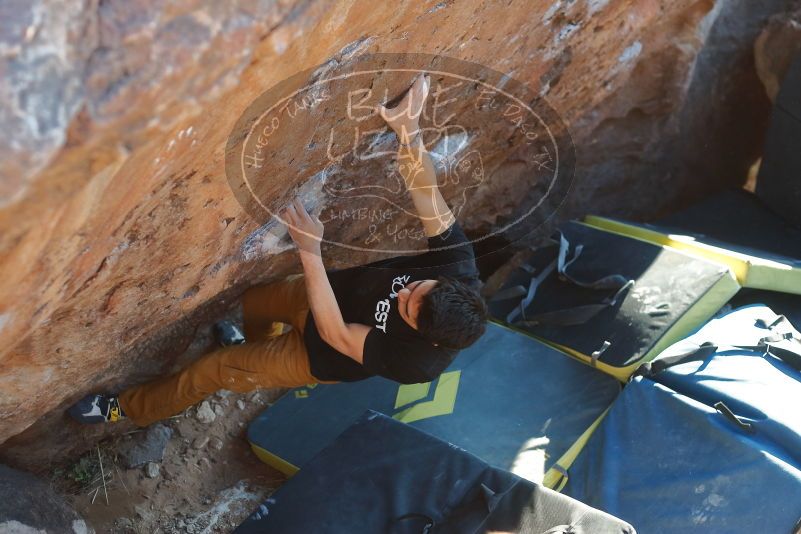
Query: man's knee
239,380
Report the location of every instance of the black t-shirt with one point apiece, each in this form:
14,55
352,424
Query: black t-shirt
368,295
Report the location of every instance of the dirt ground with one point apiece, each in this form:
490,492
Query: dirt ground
208,482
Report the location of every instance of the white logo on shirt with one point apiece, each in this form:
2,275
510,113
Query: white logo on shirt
382,306
381,311
397,284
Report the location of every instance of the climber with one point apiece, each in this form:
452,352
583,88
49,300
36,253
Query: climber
404,318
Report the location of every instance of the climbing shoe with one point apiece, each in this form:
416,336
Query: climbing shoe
97,408
226,333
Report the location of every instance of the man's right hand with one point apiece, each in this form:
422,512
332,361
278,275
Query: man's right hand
306,230
404,119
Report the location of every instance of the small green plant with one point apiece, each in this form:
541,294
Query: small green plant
85,473
84,470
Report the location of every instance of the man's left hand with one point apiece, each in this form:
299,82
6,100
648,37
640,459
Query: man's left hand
306,230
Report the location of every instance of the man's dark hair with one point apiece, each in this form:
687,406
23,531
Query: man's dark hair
452,314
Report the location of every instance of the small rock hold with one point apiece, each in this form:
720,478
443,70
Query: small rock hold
218,410
205,414
141,512
200,442
240,404
254,397
204,463
223,393
152,469
216,444
146,446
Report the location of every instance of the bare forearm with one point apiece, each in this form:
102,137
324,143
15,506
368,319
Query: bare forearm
415,165
322,301
347,338
420,176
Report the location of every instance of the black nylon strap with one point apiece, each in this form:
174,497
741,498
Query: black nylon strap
535,282
791,357
577,314
763,324
612,281
569,316
702,352
726,412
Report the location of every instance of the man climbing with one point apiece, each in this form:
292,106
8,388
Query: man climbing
403,318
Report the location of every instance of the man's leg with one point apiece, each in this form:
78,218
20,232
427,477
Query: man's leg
264,360
277,362
265,306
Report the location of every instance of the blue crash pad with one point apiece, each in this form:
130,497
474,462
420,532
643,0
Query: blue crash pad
666,460
507,394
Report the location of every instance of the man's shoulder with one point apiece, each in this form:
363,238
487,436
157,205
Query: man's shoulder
415,343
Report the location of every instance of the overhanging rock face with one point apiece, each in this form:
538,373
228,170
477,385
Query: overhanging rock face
118,228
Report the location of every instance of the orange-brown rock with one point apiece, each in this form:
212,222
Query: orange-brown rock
119,234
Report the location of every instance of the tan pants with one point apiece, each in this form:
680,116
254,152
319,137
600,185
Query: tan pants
268,359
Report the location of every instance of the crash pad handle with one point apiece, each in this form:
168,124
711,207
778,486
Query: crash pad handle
788,356
698,353
728,414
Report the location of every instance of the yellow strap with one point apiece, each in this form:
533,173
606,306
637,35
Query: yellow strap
558,473
563,482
